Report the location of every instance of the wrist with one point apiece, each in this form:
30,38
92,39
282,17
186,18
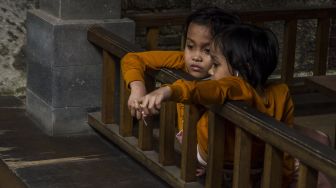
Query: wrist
137,85
168,92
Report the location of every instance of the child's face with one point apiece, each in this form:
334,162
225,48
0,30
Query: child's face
196,51
220,68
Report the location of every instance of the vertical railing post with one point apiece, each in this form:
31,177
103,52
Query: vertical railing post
152,37
167,133
322,42
108,88
146,128
214,174
307,177
189,143
272,167
242,159
126,120
289,45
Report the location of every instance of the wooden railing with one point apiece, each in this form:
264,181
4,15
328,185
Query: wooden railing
278,138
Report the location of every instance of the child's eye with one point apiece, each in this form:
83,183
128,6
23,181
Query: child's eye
207,51
189,46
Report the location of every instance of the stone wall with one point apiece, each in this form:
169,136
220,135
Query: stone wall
12,31
304,50
134,6
170,36
12,39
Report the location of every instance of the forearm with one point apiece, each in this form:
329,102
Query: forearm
132,68
210,92
134,65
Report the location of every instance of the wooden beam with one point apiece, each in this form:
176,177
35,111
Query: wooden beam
307,177
322,43
272,173
288,57
108,88
214,173
242,159
189,143
167,133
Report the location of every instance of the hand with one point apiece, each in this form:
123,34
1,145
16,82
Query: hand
179,136
151,103
200,171
138,90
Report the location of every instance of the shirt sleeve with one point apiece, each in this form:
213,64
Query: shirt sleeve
288,114
211,91
133,65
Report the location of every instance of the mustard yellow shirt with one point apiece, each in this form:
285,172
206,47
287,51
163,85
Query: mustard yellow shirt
276,103
133,66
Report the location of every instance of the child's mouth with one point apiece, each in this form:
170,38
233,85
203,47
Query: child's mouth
195,68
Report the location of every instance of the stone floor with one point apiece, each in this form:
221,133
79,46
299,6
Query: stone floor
40,161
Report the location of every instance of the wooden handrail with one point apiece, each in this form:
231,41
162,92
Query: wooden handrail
277,134
110,42
278,138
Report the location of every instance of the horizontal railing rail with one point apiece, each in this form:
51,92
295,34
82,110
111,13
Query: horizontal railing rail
290,17
278,138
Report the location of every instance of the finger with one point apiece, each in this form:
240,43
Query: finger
143,102
145,112
158,104
154,111
151,106
136,105
200,172
138,114
133,112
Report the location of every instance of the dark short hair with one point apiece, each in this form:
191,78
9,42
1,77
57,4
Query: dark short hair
250,50
216,18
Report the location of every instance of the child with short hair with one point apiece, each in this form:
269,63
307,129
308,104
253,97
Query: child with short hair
201,26
243,58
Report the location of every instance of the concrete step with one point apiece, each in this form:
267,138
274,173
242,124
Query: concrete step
41,161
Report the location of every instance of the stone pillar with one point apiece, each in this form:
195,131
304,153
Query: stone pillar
64,69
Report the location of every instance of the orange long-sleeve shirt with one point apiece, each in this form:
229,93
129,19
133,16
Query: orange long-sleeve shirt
276,102
133,66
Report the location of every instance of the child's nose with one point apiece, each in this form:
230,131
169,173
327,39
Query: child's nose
197,57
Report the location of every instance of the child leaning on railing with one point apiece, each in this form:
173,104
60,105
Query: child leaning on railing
243,58
200,28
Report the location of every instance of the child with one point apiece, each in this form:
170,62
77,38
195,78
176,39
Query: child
243,57
201,26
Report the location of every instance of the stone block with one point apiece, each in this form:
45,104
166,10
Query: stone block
71,121
40,37
64,70
39,111
75,86
58,121
39,80
82,9
71,39
59,42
